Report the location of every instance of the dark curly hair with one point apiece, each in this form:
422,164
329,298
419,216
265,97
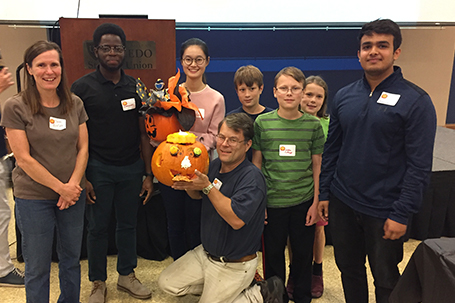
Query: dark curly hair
108,28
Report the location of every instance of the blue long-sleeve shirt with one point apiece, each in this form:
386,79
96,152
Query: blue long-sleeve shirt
378,157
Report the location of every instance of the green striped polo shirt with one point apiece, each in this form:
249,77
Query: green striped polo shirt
287,147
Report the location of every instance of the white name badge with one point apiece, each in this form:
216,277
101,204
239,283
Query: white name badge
217,183
388,99
128,104
57,123
287,150
202,113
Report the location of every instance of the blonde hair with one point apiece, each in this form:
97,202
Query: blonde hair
293,72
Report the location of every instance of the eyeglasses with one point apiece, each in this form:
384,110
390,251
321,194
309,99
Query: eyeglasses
232,141
107,48
294,90
188,60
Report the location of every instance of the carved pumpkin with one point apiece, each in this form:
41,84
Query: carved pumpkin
159,126
166,111
178,157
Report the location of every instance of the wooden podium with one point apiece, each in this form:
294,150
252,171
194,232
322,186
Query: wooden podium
77,35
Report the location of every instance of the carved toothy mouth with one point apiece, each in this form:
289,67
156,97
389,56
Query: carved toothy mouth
177,176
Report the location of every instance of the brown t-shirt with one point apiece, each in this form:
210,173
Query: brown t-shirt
53,141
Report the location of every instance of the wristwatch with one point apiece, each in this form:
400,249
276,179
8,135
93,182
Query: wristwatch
206,190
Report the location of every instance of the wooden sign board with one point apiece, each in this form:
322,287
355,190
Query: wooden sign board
150,52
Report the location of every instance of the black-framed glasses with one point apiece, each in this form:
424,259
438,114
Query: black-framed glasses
199,60
107,48
294,90
232,141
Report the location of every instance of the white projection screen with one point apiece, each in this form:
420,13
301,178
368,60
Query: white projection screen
236,11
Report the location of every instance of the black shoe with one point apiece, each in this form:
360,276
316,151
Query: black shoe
273,290
13,279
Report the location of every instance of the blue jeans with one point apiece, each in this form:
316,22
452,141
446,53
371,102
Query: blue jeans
37,220
117,189
354,237
183,220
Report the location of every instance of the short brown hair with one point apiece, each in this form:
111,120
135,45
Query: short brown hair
248,75
239,122
293,72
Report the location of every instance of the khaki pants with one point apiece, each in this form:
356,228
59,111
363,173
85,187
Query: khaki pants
6,266
195,273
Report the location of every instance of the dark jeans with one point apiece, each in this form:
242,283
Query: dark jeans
354,237
116,188
284,222
37,220
183,220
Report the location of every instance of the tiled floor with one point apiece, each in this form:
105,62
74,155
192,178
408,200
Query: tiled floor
148,272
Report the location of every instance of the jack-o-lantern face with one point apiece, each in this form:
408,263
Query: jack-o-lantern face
159,126
179,156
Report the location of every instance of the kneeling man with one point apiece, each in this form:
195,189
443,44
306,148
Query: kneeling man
234,198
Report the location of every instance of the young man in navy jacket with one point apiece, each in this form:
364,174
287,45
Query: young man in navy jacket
376,164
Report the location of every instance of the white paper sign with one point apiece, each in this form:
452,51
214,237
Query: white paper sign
128,104
57,123
217,183
287,150
388,99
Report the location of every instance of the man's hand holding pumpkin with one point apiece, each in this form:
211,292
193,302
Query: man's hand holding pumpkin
193,188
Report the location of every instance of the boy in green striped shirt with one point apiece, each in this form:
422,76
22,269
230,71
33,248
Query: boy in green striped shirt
287,147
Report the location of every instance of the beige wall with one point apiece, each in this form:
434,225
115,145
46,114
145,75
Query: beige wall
13,43
427,60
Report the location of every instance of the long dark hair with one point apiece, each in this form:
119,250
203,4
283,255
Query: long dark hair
31,95
201,44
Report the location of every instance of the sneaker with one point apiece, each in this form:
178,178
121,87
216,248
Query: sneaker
98,294
273,291
290,287
14,279
317,286
133,286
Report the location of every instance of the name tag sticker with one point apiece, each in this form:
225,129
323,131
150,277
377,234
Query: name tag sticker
128,104
217,183
287,150
388,99
202,113
57,123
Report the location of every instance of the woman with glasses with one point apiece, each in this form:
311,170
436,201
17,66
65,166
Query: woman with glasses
194,57
184,213
48,136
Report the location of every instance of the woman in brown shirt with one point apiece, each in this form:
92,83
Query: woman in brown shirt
47,133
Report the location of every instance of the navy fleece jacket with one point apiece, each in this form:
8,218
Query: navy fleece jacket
379,151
